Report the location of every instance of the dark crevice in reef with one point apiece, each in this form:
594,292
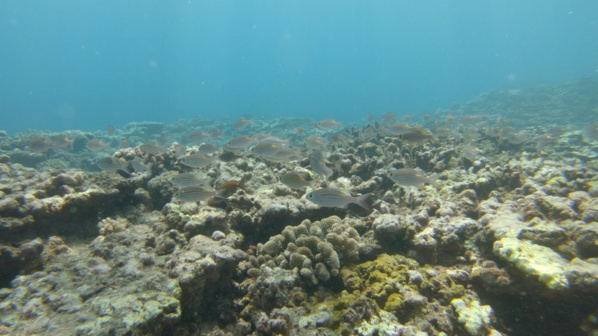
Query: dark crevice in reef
531,314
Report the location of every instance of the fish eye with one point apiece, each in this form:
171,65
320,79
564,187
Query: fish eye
310,195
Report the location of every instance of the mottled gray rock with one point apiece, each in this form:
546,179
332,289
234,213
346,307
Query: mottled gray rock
505,222
393,229
105,288
386,324
201,265
586,239
558,207
589,211
543,232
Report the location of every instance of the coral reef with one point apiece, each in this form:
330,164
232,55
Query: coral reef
507,206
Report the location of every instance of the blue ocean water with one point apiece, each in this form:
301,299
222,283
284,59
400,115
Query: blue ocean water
87,64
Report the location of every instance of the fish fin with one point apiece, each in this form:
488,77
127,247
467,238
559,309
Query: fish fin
432,179
124,173
364,201
220,194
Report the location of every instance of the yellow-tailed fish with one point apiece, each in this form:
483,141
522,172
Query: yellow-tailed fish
96,145
409,177
316,142
368,132
63,141
194,193
40,145
265,149
215,133
241,124
327,124
318,165
283,155
542,141
557,131
228,188
188,179
179,150
141,167
337,139
197,137
389,117
151,148
227,156
399,129
296,181
469,152
125,143
416,135
111,164
272,140
518,138
337,198
164,141
197,160
238,144
208,148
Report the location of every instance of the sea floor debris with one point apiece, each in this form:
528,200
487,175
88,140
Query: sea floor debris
473,224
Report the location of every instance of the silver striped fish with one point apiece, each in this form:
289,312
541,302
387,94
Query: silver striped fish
318,165
194,193
337,198
409,177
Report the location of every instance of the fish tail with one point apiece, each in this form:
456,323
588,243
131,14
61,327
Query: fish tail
328,172
126,166
364,201
433,179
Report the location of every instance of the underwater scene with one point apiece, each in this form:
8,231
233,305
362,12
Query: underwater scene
328,190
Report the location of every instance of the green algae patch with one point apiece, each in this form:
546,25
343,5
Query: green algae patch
390,283
379,278
369,287
394,303
442,288
558,181
346,310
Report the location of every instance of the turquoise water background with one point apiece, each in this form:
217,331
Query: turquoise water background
87,64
